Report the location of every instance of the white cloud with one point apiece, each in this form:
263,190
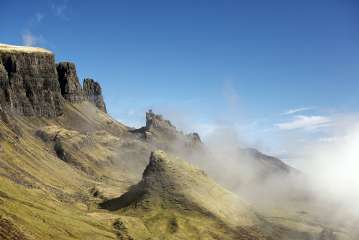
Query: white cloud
296,110
305,122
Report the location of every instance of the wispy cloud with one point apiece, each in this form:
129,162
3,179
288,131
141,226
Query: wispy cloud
328,139
39,17
29,39
305,122
59,8
296,110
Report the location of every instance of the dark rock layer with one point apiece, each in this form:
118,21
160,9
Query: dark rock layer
93,93
69,83
29,85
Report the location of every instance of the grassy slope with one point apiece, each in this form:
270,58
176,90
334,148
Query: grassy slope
48,198
176,200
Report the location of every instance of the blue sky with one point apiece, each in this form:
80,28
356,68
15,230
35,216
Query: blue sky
276,71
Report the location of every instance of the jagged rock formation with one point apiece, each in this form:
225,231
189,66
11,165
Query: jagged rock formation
28,82
163,133
156,121
31,84
93,93
69,83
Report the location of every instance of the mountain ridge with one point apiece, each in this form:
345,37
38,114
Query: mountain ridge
62,156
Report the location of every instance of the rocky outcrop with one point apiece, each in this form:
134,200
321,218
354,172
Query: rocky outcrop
31,84
156,121
195,138
93,93
69,83
71,88
160,133
28,82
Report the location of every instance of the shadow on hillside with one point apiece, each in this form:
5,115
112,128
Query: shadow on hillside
133,196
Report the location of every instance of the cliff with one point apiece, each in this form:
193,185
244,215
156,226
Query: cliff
31,84
93,93
28,82
69,83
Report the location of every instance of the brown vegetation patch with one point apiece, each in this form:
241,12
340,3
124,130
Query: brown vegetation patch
9,231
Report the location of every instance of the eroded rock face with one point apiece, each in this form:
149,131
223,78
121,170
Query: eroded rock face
93,93
28,83
31,84
156,121
69,83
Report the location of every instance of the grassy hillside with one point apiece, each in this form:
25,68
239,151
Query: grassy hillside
176,200
56,172
49,197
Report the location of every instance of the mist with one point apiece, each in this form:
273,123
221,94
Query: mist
332,165
324,180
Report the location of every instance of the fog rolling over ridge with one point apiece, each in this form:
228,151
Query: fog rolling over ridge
325,184
179,120
68,169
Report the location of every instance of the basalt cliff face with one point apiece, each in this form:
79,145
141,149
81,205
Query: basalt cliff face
31,84
69,83
28,82
93,93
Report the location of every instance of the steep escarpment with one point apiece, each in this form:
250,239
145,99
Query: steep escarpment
93,93
31,84
69,83
28,82
71,88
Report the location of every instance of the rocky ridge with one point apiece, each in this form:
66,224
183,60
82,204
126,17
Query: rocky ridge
170,184
60,160
161,132
31,84
28,82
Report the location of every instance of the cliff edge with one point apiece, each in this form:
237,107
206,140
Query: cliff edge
32,84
